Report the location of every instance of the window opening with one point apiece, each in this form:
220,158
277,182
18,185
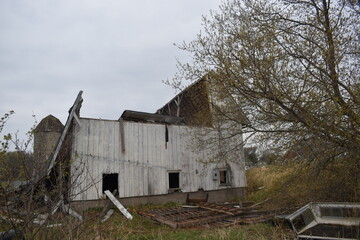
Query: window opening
174,180
110,182
224,177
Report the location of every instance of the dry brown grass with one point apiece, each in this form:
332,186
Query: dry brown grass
294,185
118,227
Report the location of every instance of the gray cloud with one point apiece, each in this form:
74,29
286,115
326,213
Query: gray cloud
118,52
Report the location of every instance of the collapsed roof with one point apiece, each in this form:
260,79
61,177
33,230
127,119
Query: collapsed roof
135,116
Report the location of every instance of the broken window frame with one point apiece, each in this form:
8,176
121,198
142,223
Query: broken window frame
178,189
227,178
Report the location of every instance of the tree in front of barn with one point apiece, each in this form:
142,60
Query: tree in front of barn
30,206
293,68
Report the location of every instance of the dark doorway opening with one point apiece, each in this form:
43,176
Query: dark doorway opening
110,182
174,180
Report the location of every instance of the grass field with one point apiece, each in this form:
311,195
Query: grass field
282,187
118,227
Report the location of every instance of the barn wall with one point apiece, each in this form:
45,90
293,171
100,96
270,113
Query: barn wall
143,168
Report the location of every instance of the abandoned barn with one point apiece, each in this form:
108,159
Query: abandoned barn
146,157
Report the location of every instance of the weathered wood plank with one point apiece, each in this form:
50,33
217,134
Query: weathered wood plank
118,205
143,168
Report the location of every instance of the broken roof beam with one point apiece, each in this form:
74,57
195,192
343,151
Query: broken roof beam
74,110
150,117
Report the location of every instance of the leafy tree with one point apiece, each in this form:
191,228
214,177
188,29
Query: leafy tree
291,66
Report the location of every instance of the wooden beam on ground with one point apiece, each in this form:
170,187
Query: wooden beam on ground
108,215
66,208
118,205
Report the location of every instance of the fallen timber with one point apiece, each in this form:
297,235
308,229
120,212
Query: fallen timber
210,215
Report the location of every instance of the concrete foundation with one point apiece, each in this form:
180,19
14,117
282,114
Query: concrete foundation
221,195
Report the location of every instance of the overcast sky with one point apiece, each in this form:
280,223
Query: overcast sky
117,51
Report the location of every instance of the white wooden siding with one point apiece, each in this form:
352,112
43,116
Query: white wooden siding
143,167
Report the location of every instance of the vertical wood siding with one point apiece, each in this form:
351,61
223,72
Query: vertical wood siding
143,167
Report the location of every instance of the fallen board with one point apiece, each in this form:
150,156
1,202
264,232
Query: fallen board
118,205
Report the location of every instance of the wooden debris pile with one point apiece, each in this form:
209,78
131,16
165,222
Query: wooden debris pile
209,215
